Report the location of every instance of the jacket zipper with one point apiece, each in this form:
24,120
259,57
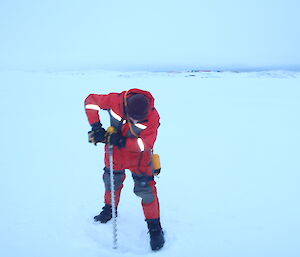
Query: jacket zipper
139,162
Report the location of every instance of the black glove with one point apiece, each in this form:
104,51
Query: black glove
97,134
116,139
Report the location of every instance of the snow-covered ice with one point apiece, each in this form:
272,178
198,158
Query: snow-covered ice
229,144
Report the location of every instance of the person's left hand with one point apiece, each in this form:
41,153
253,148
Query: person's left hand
116,139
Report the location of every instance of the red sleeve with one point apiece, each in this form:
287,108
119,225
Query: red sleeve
147,138
94,103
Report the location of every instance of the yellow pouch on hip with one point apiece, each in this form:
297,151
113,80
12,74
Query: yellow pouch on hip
156,164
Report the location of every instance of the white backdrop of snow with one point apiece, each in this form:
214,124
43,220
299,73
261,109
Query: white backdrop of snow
149,35
229,187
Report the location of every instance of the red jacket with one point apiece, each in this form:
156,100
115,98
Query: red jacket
136,155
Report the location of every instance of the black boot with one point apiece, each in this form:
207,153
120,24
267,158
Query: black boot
157,239
105,215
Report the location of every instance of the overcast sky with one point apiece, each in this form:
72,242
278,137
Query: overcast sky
149,35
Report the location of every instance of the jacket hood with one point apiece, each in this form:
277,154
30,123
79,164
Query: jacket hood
132,91
140,91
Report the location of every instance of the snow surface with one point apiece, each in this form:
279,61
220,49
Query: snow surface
229,144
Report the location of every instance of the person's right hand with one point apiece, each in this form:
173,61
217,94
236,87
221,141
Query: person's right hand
97,134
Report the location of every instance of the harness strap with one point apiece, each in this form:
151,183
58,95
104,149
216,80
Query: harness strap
129,121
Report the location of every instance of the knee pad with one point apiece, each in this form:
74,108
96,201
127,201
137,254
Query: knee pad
119,176
142,188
